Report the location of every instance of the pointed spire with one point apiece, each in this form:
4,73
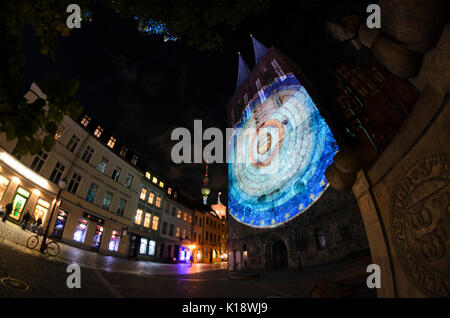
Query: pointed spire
260,50
243,71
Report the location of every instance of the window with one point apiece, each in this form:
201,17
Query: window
107,200
59,134
38,161
114,242
171,230
174,211
164,228
111,142
90,197
147,220
258,84
246,98
128,181
178,232
190,219
277,68
155,180
167,208
195,236
116,173
155,223
143,246
98,131
151,198
86,120
73,143
151,247
134,160
147,175
179,214
123,151
169,191
74,183
158,201
3,185
57,172
184,234
138,217
87,154
102,165
320,239
161,184
185,218
80,230
206,236
121,206
143,194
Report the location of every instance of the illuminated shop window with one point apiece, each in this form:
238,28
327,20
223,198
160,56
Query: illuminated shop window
114,242
169,191
143,246
102,165
123,151
107,200
19,201
98,131
121,206
87,154
155,223
86,120
151,247
41,209
147,219
179,214
151,198
38,161
138,217
97,239
143,194
147,175
178,232
3,185
128,181
111,142
90,197
154,180
161,184
80,230
73,143
158,201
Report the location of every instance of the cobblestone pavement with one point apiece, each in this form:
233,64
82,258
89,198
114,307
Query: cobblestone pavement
105,276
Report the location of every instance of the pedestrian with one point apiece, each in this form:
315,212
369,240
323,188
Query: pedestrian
38,225
26,218
8,210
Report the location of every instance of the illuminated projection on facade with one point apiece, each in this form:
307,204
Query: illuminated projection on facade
277,160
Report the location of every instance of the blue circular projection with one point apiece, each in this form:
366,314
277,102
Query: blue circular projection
278,156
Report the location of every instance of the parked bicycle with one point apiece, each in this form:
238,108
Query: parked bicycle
51,247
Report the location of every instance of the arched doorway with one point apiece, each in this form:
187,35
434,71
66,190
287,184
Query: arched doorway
277,254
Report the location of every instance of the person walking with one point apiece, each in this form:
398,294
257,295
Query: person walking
8,210
26,218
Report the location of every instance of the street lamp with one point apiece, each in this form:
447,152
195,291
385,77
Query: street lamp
62,183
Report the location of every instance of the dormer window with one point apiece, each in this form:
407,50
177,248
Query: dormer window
98,131
86,120
147,175
111,142
123,151
134,160
161,184
169,191
155,180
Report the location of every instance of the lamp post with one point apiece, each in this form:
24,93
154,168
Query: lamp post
61,185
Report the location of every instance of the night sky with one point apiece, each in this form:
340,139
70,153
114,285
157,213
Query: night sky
141,87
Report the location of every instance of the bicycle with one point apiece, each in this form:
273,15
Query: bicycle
51,247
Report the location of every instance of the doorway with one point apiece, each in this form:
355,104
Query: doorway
277,254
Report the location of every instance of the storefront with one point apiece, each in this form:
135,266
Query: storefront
60,223
142,247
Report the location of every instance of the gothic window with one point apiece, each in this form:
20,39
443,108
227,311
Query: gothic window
320,239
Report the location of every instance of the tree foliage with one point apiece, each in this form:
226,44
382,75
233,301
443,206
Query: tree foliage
200,22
